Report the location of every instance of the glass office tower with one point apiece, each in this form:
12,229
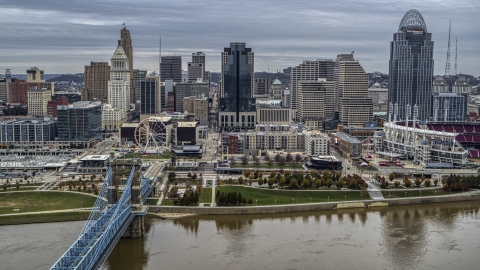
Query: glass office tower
237,86
411,67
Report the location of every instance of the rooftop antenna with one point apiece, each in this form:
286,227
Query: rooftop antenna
447,65
160,58
455,67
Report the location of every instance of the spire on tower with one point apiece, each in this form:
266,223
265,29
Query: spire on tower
455,67
447,66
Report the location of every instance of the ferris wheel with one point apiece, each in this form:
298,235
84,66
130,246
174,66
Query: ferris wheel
151,135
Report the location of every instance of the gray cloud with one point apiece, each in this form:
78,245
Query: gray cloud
59,36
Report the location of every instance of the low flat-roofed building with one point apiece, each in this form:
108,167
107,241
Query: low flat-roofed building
348,145
93,164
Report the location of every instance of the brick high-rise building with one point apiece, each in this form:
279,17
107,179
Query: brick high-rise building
18,92
52,105
96,77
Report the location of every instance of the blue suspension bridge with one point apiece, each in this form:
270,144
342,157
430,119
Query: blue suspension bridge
116,213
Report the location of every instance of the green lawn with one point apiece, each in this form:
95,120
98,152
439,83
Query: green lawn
41,218
22,188
400,193
265,165
167,202
206,196
151,201
268,196
36,201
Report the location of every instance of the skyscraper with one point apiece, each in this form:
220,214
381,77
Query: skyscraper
126,42
309,71
196,68
351,94
119,84
237,105
96,77
171,68
150,96
411,67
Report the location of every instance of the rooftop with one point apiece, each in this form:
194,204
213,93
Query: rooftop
346,137
94,158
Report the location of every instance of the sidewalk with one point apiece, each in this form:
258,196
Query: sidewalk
374,192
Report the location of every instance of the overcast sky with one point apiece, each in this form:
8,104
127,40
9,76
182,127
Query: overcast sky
61,37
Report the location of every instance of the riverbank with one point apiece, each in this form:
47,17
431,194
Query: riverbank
47,217
271,209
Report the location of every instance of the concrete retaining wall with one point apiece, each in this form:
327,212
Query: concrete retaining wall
308,207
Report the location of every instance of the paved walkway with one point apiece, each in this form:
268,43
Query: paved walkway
374,192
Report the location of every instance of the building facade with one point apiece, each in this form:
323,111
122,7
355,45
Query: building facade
52,105
150,102
38,100
188,89
24,132
139,76
119,84
200,109
112,118
354,107
237,105
126,42
316,143
309,71
96,77
171,68
80,123
4,83
262,86
196,68
411,67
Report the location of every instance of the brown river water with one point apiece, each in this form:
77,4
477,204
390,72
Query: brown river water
434,236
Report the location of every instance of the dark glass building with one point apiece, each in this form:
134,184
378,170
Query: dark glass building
80,123
237,106
171,68
150,96
411,67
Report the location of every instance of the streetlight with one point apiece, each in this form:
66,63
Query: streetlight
81,205
275,201
256,204
420,193
405,194
310,200
345,199
293,200
328,199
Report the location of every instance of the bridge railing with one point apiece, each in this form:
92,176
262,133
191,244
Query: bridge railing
101,204
92,244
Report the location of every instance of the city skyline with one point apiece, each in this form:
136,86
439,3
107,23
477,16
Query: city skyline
68,37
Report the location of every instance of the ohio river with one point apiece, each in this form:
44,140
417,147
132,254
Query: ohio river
436,236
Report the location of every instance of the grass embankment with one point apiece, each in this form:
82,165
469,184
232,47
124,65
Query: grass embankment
405,193
37,201
43,218
167,202
206,196
151,201
272,197
12,189
265,165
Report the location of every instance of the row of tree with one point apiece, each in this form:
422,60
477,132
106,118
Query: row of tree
281,160
456,182
406,181
231,198
190,197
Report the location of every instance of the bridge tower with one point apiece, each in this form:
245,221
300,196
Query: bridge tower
121,169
